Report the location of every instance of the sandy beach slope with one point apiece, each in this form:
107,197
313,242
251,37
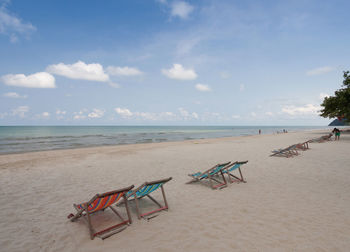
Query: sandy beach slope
287,204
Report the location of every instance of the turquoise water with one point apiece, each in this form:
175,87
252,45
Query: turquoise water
15,139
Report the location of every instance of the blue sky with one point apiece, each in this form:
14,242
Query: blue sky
153,62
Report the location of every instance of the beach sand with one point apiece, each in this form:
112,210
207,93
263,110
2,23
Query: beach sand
288,204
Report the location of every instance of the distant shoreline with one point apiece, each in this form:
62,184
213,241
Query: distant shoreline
163,140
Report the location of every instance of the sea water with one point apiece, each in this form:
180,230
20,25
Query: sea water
16,139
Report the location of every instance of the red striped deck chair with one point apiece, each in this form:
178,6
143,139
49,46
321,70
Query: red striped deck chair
145,190
100,202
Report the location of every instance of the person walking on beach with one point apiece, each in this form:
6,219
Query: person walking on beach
259,131
336,134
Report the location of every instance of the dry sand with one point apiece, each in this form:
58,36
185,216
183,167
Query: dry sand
287,204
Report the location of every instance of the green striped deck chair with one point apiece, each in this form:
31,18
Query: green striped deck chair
231,168
211,176
100,202
144,191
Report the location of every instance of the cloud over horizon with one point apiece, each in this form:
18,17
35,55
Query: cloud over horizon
178,72
202,87
308,109
319,71
123,71
37,80
80,71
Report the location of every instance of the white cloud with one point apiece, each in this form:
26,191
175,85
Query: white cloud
269,113
96,113
151,116
60,112
320,70
80,71
236,116
20,111
195,115
123,112
202,87
80,115
12,26
184,112
45,114
37,80
253,114
14,95
181,9
308,109
180,73
323,95
123,71
187,115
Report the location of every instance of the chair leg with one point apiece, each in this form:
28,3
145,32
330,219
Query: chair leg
165,201
89,224
127,209
137,208
240,172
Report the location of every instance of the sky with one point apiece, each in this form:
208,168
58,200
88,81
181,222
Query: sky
170,62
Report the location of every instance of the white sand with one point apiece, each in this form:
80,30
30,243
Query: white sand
287,204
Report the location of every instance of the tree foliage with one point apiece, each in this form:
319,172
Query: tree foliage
339,104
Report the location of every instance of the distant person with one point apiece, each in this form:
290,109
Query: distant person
259,131
336,134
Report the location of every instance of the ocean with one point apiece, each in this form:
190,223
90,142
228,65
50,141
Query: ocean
18,139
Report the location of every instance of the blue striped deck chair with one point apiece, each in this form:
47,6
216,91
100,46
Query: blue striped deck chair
144,191
232,167
211,175
290,151
101,202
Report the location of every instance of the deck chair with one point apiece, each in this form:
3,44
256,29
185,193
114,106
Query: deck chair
211,174
303,146
232,167
290,151
145,190
100,202
321,139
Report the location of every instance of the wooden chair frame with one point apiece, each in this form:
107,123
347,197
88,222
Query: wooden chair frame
229,169
161,207
211,174
286,152
86,213
303,146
